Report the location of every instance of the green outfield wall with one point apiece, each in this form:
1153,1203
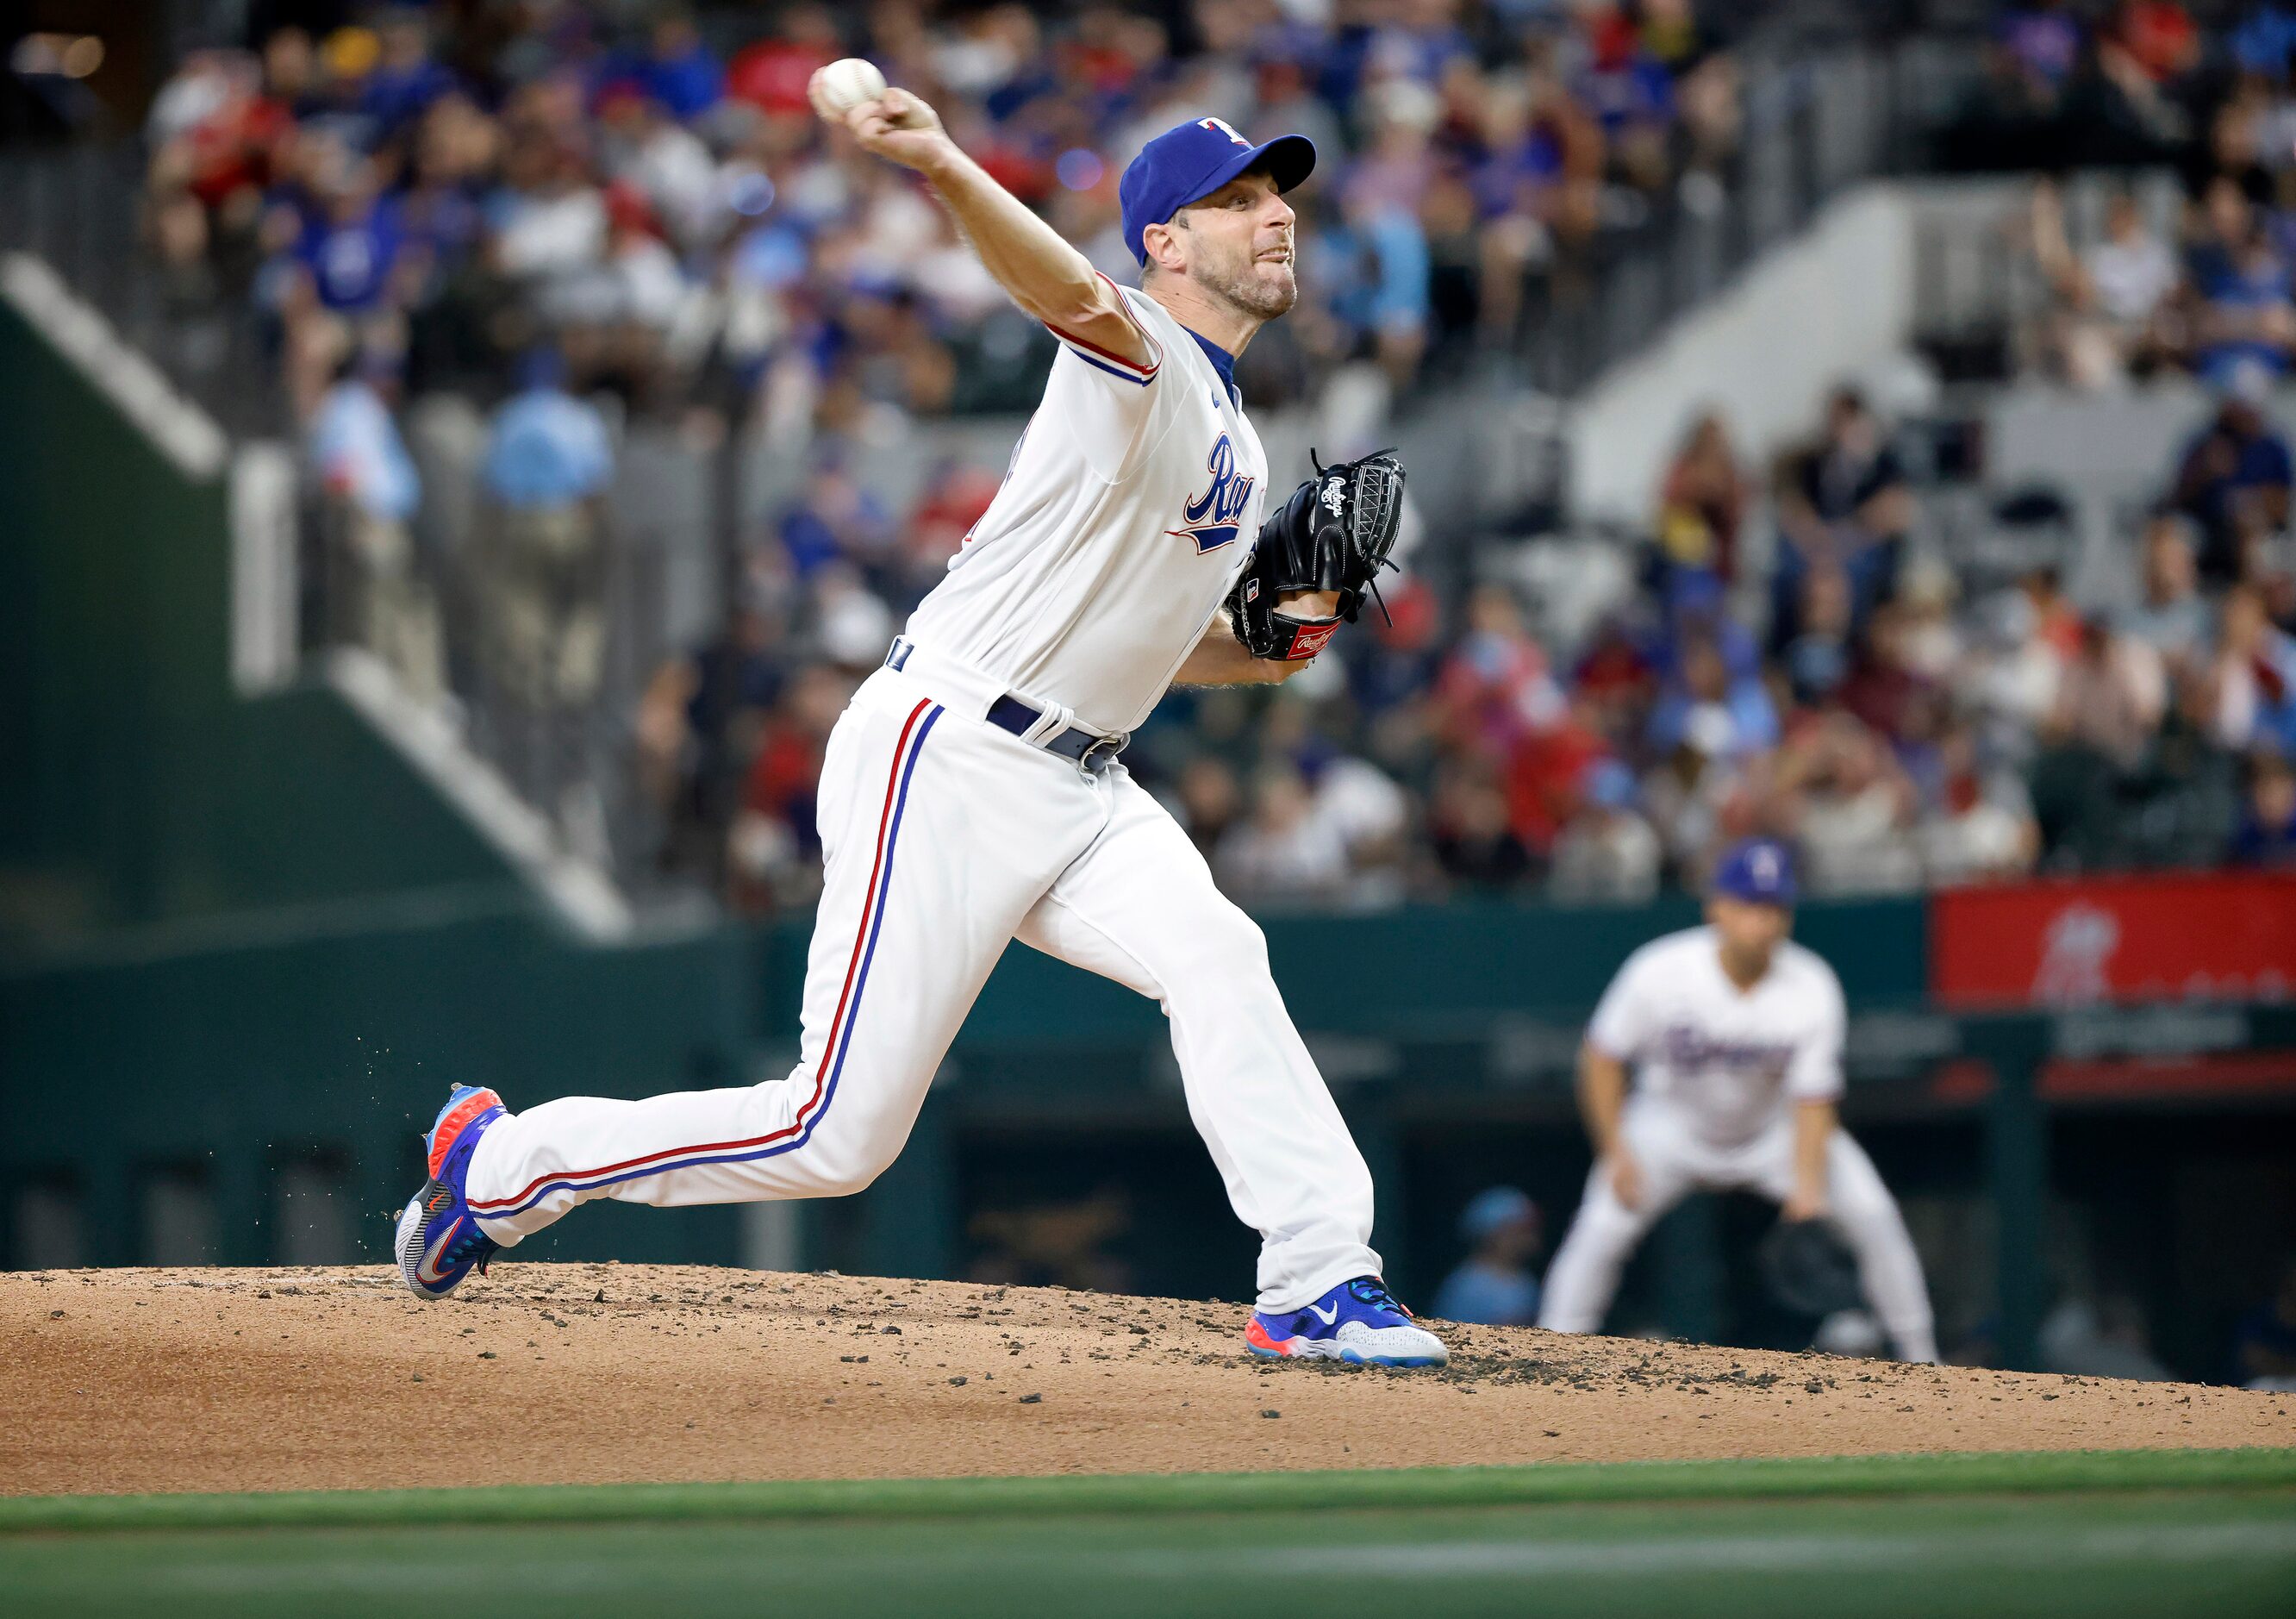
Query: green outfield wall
136,788
237,932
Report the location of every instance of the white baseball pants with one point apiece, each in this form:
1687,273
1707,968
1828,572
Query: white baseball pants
1675,1161
945,838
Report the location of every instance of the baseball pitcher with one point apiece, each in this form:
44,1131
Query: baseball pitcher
973,794
1735,1032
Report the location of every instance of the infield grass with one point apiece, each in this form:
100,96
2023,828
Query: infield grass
2149,1533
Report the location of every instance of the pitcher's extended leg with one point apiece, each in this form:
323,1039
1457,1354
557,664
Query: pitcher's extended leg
915,913
1139,907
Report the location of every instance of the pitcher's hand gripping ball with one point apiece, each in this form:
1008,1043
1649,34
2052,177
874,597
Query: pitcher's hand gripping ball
1333,535
849,82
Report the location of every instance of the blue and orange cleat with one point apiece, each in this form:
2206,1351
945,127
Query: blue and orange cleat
1358,1322
440,1241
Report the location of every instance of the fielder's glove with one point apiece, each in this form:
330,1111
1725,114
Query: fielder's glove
1334,534
1807,1267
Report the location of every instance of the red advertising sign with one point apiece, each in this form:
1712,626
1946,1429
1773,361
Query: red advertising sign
2214,936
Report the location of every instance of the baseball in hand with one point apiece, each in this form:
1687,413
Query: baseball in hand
848,83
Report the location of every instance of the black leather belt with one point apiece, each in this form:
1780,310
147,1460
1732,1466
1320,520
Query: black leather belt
1091,751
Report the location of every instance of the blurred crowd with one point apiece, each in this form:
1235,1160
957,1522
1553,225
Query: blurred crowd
440,187
576,218
2209,291
1846,694
1901,723
2074,82
575,223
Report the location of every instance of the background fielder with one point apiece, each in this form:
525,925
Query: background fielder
970,793
1735,1035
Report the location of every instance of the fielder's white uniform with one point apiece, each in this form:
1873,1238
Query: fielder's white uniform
1718,1071
1128,510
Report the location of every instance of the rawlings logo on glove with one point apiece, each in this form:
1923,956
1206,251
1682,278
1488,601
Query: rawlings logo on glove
1333,535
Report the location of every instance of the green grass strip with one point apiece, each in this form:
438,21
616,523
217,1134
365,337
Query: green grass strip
1955,1472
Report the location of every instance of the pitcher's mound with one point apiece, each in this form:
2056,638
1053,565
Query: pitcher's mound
299,1379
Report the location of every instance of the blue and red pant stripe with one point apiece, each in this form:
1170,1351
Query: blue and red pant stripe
815,1107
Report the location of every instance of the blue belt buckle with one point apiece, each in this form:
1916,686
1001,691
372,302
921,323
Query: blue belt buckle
1094,760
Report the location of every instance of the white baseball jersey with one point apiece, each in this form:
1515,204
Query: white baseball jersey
1126,514
1728,1059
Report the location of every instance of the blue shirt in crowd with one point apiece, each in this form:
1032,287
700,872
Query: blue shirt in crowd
356,447
351,261
549,450
1487,1297
1377,267
687,84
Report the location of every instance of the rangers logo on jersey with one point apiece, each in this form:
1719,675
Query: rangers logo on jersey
1211,519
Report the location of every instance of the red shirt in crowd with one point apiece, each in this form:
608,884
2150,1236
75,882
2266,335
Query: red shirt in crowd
773,73
1547,778
231,148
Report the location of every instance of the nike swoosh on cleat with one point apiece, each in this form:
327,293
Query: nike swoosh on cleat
428,1271
1328,1316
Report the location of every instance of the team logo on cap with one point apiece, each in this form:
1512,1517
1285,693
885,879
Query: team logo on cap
1211,519
1220,126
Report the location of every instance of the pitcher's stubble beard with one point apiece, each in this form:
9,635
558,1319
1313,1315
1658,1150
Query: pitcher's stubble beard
1251,288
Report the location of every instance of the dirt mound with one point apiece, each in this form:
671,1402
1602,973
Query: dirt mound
216,1380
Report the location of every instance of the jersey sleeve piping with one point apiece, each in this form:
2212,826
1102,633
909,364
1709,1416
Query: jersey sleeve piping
1107,360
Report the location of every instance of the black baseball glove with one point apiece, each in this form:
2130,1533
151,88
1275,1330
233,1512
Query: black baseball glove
1334,533
1808,1268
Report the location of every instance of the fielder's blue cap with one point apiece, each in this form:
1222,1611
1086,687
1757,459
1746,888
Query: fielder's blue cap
1189,162
1759,871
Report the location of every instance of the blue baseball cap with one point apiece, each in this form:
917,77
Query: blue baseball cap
1758,870
1188,163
